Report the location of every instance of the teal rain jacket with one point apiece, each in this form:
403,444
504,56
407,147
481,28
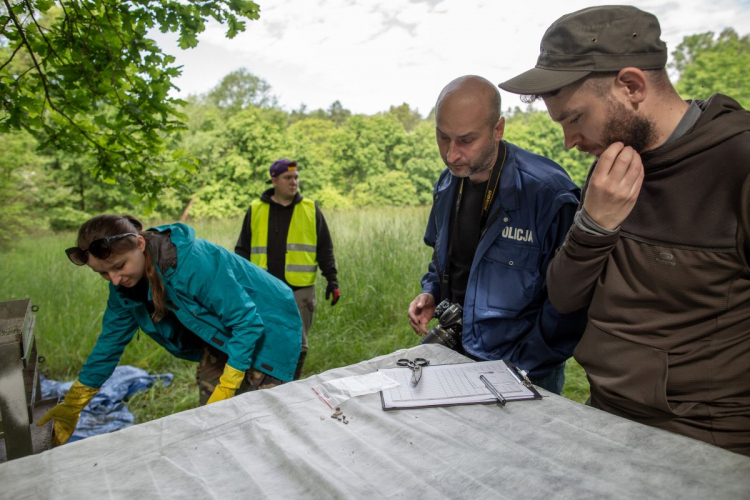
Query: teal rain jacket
221,297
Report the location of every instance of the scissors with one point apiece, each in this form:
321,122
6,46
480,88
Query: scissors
415,366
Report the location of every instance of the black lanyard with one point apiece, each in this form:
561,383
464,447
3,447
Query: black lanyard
490,194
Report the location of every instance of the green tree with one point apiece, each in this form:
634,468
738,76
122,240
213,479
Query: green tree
421,160
338,113
363,147
240,89
308,143
69,194
95,84
536,132
708,64
302,114
408,117
234,158
19,167
393,188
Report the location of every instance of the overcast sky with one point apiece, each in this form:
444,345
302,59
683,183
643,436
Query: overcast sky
371,54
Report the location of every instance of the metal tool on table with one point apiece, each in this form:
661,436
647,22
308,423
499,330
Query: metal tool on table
21,403
416,367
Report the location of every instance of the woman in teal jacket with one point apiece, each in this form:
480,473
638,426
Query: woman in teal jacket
194,298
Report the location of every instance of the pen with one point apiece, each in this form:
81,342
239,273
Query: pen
493,390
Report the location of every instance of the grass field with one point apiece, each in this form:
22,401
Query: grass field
380,258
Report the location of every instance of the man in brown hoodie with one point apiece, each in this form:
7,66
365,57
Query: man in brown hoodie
661,241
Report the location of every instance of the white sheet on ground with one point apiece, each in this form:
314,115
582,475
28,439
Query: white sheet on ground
282,443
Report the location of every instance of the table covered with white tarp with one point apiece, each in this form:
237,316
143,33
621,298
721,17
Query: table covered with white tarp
282,443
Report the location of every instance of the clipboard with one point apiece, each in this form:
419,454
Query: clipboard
455,384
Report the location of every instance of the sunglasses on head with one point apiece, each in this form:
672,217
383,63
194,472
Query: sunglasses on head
101,249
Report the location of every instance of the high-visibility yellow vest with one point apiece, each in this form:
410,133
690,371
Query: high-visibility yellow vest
301,261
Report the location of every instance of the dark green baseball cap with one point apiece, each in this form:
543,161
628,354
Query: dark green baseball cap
604,38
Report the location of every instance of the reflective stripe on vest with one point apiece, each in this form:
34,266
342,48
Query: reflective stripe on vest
301,264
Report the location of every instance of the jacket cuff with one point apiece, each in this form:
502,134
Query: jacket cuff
586,239
432,289
586,223
235,364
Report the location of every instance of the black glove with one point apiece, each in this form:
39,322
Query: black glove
333,289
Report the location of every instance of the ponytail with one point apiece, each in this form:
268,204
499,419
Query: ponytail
158,293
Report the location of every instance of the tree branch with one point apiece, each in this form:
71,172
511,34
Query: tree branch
73,26
117,65
43,78
11,56
2,30
109,20
18,78
41,31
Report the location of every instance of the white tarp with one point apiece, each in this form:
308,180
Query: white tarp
282,443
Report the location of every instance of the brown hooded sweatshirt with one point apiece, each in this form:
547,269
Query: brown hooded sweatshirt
668,338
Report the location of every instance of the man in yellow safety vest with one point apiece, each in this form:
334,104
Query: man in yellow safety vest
286,235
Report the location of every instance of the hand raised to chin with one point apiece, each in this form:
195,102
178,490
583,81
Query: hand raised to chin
614,186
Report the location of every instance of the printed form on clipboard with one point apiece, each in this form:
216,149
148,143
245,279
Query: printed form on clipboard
456,384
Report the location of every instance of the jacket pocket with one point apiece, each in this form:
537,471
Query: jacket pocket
628,376
508,276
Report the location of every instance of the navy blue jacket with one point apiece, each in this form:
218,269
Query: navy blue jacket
507,314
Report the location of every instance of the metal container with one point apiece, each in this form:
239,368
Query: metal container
19,383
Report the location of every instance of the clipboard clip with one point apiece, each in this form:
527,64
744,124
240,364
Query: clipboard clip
524,377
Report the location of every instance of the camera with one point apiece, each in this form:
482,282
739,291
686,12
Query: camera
450,325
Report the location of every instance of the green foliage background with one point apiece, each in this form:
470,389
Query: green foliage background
83,77
709,63
346,160
215,161
88,123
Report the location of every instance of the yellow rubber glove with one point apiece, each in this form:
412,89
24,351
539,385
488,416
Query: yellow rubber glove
228,384
66,413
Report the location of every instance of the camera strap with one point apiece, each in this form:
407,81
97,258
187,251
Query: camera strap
489,197
492,187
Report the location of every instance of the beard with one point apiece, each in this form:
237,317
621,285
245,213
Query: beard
625,126
484,161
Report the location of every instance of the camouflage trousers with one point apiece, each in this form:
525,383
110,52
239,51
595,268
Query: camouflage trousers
211,367
305,299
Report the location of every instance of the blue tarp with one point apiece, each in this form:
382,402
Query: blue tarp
107,412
